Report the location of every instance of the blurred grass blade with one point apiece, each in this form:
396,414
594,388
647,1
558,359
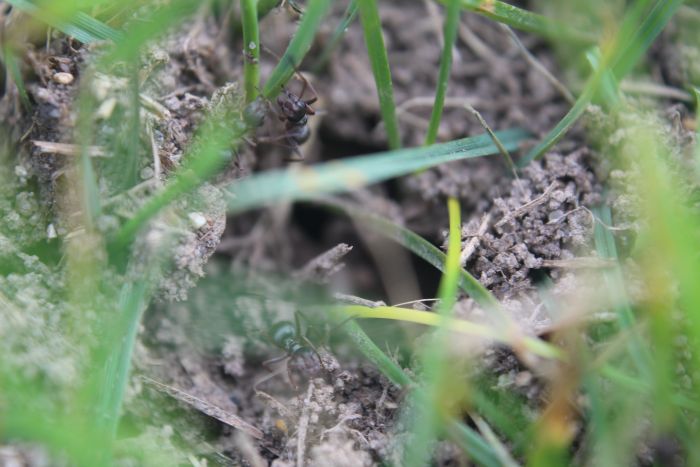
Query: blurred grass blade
372,26
300,44
524,20
12,69
651,27
479,450
332,44
157,23
132,302
202,163
251,46
351,173
630,43
450,37
79,25
423,414
696,95
614,281
414,243
608,95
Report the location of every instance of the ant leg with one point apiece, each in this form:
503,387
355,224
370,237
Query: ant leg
309,86
279,141
297,321
272,361
340,325
302,78
273,374
315,351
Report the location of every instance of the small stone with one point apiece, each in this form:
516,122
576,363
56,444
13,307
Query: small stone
63,78
104,111
197,220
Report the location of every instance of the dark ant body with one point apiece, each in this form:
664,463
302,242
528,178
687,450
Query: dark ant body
298,349
293,110
296,113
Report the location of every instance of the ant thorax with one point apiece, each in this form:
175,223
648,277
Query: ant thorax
291,109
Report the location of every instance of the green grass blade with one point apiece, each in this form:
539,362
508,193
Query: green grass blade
614,281
524,20
251,45
158,23
414,243
347,174
116,370
450,36
608,94
479,450
203,163
372,26
653,24
12,68
630,43
332,44
79,25
423,414
300,44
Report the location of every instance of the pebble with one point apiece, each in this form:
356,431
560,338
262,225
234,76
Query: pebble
63,78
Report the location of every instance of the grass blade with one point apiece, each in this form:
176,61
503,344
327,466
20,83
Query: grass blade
372,26
300,44
524,20
414,243
605,246
251,44
203,163
79,25
450,36
479,450
12,68
351,173
629,45
430,253
348,18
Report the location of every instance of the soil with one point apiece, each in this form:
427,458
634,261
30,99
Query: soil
200,376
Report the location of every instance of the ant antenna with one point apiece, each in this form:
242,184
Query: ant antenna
297,73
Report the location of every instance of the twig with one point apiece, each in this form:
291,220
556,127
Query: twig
353,300
156,156
303,427
65,149
206,408
474,241
656,90
532,60
583,262
504,152
528,206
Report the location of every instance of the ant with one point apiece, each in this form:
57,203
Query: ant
293,110
289,337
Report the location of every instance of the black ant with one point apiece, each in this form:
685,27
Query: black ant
297,346
293,110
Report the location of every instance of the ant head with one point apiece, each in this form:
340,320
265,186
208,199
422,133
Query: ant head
292,106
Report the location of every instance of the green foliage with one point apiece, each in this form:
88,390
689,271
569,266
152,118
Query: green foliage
94,287
354,172
450,36
638,29
372,26
251,43
300,44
